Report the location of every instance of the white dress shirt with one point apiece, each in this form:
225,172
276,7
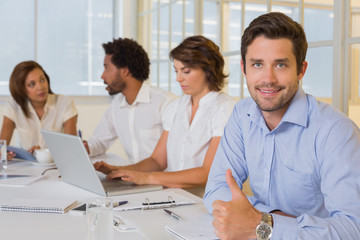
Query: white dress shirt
187,143
138,126
57,110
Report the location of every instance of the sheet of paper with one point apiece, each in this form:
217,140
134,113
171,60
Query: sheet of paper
198,228
12,180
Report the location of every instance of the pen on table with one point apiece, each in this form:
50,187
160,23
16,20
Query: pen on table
80,135
177,217
116,204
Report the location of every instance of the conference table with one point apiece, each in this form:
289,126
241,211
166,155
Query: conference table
150,224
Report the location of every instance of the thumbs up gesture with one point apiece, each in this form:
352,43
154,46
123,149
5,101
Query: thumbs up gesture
236,219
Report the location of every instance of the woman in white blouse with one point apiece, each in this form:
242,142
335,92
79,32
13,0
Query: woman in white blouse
193,123
33,106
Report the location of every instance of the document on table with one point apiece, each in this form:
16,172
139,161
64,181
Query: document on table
197,228
17,180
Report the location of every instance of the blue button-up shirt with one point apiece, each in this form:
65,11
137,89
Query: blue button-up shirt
308,167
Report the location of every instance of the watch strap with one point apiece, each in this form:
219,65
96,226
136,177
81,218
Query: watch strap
267,218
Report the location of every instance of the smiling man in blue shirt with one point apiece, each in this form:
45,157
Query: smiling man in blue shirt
302,156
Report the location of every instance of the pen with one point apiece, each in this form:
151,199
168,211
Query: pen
177,217
116,204
80,134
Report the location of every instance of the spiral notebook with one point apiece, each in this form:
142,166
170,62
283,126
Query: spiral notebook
38,205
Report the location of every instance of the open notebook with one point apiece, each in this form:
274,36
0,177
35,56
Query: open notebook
153,200
38,205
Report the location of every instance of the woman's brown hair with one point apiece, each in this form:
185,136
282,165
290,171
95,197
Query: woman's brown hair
17,83
200,52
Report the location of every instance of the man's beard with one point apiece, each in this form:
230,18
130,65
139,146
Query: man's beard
116,86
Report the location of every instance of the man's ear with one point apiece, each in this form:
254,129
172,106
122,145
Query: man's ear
243,67
302,70
125,71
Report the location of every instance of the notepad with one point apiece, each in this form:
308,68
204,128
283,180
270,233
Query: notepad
198,228
38,205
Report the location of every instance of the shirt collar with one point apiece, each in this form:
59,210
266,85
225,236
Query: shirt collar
143,95
208,97
296,113
204,99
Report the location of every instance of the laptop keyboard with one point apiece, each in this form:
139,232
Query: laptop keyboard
116,184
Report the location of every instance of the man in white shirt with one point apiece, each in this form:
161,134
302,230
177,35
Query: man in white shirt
134,115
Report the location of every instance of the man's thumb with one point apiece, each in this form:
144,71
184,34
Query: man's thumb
234,188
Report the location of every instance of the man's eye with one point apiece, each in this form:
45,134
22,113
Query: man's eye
257,65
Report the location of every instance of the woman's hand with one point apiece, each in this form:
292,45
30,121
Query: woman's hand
32,149
104,167
137,177
10,155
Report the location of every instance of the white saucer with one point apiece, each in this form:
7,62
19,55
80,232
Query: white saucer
51,164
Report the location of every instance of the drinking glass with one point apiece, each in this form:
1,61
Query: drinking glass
99,213
3,155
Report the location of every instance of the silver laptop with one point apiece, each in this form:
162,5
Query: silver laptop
76,168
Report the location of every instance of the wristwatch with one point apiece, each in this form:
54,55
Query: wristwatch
264,229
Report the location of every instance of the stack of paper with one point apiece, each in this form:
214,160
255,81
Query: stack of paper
198,228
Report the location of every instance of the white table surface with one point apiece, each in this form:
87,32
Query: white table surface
20,225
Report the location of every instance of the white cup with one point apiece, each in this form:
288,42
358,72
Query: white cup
43,155
99,213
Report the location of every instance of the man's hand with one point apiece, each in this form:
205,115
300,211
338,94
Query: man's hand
236,219
86,145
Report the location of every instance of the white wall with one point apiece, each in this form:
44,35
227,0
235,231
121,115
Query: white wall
354,113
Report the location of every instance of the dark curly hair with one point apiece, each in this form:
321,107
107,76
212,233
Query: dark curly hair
17,83
128,53
200,52
275,25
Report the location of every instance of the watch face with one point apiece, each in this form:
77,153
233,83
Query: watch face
263,231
